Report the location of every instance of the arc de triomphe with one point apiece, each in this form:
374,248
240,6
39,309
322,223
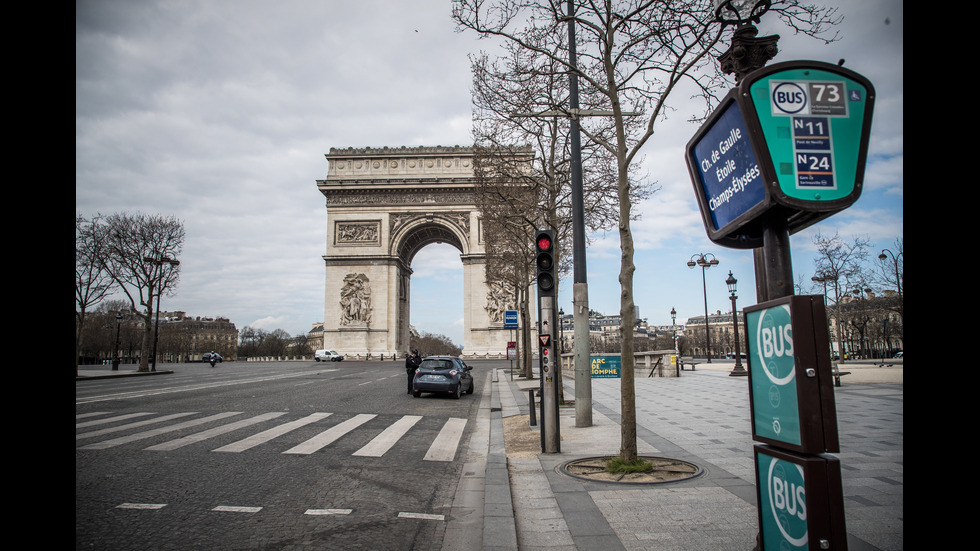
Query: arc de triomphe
383,206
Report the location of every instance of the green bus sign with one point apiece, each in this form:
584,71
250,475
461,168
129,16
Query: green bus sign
791,389
790,141
815,119
776,412
801,500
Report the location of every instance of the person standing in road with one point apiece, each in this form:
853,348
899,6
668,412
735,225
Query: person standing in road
411,364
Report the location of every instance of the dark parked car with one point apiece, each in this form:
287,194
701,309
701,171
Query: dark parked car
443,375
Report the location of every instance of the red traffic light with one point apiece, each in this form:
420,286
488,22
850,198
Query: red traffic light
544,243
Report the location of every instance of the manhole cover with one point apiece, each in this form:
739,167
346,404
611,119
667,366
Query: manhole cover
663,470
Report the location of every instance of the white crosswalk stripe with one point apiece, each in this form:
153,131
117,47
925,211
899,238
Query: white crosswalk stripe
204,435
120,428
156,432
331,434
266,435
442,448
384,441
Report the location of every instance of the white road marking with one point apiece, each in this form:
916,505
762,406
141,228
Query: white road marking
444,446
169,390
151,506
210,433
328,511
384,441
328,436
156,432
133,425
110,420
267,435
423,516
236,509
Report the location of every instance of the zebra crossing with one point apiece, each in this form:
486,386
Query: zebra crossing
101,430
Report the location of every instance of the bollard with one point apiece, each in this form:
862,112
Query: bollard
530,397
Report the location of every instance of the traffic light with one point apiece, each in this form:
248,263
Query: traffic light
544,244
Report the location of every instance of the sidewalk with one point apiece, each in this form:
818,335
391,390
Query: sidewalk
701,417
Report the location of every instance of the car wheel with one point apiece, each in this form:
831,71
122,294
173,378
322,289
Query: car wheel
470,390
456,392
416,393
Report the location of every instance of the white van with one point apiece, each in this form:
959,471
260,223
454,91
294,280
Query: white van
325,355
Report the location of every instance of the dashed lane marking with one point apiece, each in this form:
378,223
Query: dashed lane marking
144,506
236,509
328,511
423,516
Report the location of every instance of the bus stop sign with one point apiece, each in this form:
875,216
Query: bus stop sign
791,141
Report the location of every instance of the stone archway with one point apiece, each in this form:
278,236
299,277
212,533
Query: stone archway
383,206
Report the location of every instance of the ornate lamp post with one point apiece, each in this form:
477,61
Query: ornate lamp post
747,52
115,359
738,370
898,279
673,328
705,263
159,262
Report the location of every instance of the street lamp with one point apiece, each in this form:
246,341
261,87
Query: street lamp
738,370
702,260
561,331
824,278
159,262
115,359
673,328
898,278
747,52
860,294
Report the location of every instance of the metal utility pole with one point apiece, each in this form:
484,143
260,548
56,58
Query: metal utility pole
580,286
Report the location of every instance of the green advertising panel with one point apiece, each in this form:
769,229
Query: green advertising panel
776,412
605,367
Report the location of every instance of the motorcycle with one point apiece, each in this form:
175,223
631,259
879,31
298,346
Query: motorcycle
212,360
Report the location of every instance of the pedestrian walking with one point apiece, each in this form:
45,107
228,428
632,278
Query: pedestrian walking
411,364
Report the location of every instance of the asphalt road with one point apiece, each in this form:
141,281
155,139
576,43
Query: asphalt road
289,455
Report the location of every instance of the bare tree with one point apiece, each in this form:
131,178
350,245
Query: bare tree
522,168
839,267
92,280
635,54
140,253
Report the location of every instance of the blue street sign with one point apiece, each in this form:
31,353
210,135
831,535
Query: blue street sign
727,169
510,319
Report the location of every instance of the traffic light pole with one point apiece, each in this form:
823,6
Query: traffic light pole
551,437
544,243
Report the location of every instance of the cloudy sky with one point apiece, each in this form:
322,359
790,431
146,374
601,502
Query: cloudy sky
219,112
